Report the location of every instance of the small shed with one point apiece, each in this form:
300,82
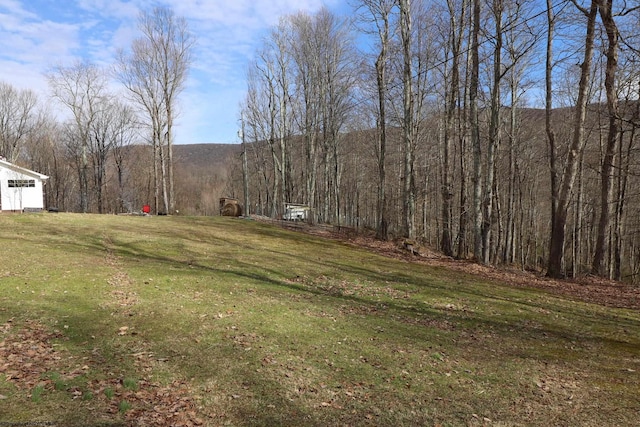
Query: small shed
20,188
293,212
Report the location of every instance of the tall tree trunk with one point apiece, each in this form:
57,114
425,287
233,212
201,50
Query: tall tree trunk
618,230
599,266
245,170
551,137
84,180
451,107
510,228
494,136
563,195
577,227
382,229
475,133
284,195
408,196
171,205
463,129
156,174
165,178
337,178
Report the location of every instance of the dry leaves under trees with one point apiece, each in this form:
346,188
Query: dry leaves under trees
29,359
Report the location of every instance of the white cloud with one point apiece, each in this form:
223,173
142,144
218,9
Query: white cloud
34,42
37,34
248,14
29,77
112,9
15,9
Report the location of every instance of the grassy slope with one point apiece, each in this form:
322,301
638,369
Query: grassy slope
254,325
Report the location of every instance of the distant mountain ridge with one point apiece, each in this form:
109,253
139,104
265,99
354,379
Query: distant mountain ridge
201,156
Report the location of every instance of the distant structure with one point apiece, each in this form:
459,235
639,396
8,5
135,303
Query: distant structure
21,189
294,212
230,207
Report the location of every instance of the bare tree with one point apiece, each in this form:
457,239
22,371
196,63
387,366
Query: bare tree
125,131
512,40
306,60
563,187
114,127
599,267
409,197
338,78
416,115
521,38
474,125
456,20
43,152
81,88
265,70
321,56
624,231
18,118
280,40
380,13
155,73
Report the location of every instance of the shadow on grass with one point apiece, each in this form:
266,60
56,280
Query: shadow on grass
414,311
519,323
360,264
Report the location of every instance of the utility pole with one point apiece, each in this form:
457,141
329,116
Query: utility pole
245,169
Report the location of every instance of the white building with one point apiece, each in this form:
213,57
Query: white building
20,188
294,212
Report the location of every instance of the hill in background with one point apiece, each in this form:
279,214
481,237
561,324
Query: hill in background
205,156
201,173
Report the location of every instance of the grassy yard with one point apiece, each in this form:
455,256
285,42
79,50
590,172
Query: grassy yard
123,320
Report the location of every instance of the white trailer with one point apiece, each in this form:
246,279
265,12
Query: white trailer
294,212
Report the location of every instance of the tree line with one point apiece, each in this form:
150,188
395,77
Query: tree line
107,144
497,130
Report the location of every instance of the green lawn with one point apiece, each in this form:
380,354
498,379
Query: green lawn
127,320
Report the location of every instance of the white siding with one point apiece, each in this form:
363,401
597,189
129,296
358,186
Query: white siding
19,198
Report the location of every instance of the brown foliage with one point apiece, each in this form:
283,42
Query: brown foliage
28,358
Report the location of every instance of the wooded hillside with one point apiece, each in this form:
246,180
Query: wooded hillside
430,135
523,206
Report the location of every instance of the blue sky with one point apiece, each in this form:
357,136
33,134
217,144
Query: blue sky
37,34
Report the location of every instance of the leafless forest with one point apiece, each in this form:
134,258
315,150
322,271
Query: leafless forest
502,131
498,130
